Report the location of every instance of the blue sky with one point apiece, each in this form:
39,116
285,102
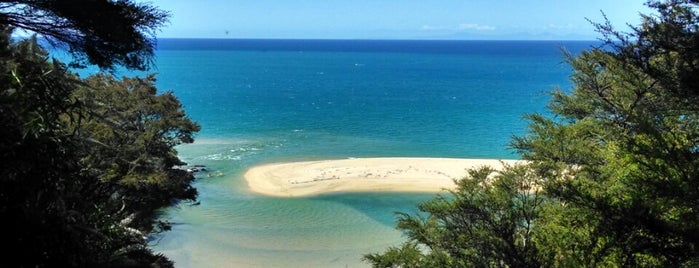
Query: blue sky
396,19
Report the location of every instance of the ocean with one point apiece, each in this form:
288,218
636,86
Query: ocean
264,101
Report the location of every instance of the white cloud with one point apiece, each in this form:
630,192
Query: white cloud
432,28
474,26
568,26
460,27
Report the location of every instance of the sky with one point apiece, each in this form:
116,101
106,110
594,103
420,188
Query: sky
396,19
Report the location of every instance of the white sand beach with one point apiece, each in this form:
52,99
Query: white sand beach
309,178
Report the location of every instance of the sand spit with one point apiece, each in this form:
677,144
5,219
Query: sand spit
394,174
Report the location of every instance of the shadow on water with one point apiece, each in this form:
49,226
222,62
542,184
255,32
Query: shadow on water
382,207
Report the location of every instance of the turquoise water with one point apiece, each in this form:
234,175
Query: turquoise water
262,101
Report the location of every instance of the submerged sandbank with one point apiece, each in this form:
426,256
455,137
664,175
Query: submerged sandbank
362,175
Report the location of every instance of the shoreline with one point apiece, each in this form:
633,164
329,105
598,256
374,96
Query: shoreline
386,174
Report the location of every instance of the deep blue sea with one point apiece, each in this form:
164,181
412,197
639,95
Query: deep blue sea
262,101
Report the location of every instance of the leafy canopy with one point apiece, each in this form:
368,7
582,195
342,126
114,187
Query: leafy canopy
487,221
106,33
618,165
86,162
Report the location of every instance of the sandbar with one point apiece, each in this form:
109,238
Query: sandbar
393,174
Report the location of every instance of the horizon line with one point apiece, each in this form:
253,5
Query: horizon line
373,39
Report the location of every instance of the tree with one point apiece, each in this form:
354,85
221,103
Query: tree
618,162
61,203
38,159
130,133
630,130
487,221
86,162
107,33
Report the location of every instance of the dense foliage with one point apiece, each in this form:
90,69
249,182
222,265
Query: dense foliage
618,166
86,162
106,33
487,222
128,134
